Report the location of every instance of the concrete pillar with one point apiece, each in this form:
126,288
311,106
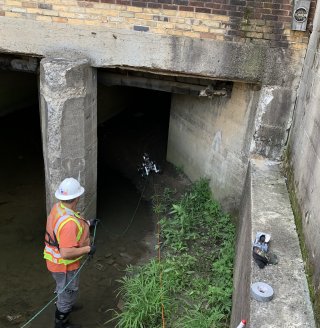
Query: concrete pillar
273,121
68,107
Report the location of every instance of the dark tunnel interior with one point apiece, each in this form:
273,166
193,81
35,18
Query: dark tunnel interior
126,233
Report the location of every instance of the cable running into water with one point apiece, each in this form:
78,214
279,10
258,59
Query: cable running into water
135,211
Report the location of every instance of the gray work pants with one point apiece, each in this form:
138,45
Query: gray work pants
67,297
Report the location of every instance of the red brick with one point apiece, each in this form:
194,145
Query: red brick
196,3
139,4
213,5
179,2
229,7
169,2
256,16
270,17
271,5
287,19
219,12
29,4
254,4
154,5
266,11
222,2
170,7
286,7
238,2
185,8
206,35
121,2
85,4
280,12
203,10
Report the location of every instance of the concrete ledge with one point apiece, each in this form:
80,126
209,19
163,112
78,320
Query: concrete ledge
271,212
105,47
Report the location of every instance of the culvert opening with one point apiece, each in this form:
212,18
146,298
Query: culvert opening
24,279
132,122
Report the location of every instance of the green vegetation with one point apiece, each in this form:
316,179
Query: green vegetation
193,280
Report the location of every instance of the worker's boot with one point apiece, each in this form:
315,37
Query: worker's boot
61,320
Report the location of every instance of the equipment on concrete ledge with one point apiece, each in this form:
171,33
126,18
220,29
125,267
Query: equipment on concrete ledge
148,166
261,292
260,250
242,324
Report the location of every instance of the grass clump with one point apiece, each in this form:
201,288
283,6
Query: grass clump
193,280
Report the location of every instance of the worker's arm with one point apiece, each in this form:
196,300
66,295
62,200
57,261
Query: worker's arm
70,253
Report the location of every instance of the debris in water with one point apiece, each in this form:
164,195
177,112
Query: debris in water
13,317
99,267
126,256
117,266
109,261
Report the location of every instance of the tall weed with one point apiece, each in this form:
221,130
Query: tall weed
193,282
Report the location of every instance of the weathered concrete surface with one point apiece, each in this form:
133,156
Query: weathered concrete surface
68,101
272,213
106,47
273,120
211,137
242,264
304,151
277,70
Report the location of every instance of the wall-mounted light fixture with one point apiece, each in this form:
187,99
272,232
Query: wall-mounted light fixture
300,15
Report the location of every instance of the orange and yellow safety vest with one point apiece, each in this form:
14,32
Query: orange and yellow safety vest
58,217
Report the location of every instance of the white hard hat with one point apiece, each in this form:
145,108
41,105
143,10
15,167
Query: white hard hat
69,188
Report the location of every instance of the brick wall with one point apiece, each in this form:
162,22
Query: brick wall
262,22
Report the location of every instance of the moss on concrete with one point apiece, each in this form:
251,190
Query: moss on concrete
309,268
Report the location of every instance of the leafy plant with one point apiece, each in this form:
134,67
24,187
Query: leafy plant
193,282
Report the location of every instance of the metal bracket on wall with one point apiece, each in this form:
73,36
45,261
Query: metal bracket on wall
300,15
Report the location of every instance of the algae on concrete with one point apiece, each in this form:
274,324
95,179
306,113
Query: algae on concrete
296,209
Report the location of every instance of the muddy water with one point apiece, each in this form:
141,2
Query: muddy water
25,284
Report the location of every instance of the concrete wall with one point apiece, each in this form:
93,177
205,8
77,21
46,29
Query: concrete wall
242,261
304,152
266,207
212,137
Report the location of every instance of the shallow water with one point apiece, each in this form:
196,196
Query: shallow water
26,285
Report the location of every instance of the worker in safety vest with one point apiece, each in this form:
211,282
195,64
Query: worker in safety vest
67,239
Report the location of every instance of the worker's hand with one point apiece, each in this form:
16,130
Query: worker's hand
92,250
93,222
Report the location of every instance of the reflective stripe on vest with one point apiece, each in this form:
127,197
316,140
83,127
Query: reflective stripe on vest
52,253
62,221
